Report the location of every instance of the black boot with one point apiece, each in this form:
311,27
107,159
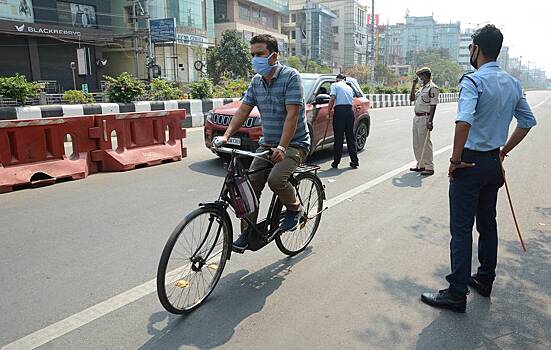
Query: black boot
445,299
482,286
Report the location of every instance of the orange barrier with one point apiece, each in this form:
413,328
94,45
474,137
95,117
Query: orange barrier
32,152
130,140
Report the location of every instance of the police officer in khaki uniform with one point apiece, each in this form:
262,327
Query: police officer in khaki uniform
426,100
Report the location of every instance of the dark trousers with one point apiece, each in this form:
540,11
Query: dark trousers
343,124
473,194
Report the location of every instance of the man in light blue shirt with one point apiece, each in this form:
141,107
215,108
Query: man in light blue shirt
488,100
340,110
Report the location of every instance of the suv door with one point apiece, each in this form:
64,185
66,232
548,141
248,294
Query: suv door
321,123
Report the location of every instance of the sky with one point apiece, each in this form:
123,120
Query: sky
526,24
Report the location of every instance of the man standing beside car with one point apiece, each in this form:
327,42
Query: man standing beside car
342,114
276,90
426,100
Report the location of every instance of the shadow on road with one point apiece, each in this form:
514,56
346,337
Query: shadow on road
517,316
215,166
237,296
409,179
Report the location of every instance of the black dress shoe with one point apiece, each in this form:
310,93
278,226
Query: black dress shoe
354,165
482,287
445,299
334,165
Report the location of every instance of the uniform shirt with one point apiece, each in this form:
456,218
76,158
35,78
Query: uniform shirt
343,93
427,96
271,101
489,107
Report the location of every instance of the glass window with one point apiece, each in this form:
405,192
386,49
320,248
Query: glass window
244,12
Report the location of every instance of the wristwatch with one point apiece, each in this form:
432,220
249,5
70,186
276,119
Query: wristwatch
455,162
281,148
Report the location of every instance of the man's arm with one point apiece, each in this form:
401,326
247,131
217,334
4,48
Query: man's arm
525,121
290,125
238,119
412,93
331,105
466,109
433,94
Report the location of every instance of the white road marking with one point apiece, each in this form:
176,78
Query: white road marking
103,308
391,120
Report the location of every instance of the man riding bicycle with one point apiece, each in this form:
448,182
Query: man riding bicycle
276,90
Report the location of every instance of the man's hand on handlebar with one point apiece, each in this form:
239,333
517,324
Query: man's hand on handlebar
219,141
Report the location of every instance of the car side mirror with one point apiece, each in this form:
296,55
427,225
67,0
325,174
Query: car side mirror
322,99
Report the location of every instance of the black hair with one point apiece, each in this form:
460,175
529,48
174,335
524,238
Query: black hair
427,73
341,77
270,41
489,39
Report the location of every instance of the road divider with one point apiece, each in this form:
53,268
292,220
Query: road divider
35,153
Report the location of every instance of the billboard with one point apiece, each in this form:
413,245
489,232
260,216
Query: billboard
162,30
17,10
77,15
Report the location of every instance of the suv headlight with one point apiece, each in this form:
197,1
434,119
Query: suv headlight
257,121
209,116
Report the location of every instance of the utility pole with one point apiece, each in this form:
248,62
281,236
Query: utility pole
136,57
372,41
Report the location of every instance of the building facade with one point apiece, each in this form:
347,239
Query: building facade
404,40
309,28
251,17
180,58
60,43
350,32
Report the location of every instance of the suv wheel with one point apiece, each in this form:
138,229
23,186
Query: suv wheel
361,134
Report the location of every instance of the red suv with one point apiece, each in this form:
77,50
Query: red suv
320,125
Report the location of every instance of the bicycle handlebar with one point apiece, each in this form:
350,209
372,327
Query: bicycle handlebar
262,155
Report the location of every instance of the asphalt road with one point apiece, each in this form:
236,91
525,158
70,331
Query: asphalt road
69,247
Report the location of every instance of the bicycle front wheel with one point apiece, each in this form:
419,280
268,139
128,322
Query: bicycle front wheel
193,260
310,193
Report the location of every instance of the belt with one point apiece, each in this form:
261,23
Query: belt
493,151
422,114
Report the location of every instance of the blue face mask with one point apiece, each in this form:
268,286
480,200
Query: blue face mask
261,65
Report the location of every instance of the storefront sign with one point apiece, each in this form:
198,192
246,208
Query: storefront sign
188,39
17,10
162,30
52,31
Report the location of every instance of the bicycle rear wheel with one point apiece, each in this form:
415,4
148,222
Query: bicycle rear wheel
193,260
310,192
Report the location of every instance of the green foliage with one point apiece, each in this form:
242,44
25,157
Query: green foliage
368,89
229,89
18,87
201,89
404,89
442,67
124,89
295,62
77,96
384,75
362,73
161,90
303,65
230,58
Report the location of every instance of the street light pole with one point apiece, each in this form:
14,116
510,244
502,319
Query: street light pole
372,40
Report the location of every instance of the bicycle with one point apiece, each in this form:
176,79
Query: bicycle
192,263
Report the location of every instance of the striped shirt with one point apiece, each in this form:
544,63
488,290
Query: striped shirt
271,101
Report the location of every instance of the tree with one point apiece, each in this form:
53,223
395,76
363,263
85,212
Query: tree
384,75
230,58
124,89
444,70
18,87
303,65
362,72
